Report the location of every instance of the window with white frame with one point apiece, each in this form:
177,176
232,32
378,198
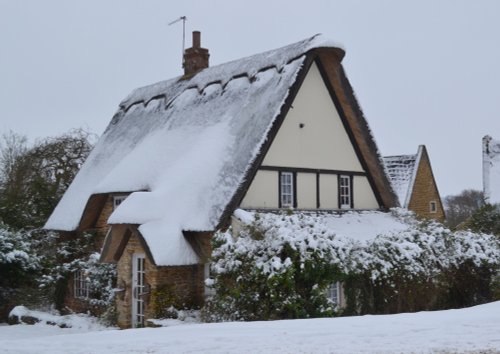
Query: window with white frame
209,290
345,192
81,285
433,207
286,189
333,293
117,200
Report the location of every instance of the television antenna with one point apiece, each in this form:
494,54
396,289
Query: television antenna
183,19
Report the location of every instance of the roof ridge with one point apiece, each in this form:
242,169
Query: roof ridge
224,72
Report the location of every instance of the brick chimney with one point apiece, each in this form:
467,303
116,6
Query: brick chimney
195,58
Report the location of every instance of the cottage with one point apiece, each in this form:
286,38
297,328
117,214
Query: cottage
413,182
491,170
281,129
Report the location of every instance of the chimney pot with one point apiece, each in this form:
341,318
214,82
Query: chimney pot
196,39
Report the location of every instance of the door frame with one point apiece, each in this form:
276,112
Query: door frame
137,289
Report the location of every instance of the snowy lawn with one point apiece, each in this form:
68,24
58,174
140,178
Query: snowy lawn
472,330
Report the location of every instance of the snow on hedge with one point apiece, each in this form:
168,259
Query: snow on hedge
16,249
386,243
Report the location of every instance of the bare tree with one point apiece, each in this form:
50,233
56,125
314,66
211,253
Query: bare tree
462,206
34,179
12,147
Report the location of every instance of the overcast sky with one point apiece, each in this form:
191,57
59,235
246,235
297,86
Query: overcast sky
425,72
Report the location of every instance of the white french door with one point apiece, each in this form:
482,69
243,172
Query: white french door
138,286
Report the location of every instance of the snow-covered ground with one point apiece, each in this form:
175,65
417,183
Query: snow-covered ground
472,330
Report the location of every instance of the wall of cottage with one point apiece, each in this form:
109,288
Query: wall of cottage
101,228
183,286
101,225
311,137
312,134
180,286
425,191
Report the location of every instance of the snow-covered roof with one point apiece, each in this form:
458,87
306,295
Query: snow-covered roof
182,147
491,169
401,171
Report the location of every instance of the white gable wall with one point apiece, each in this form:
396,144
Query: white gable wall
363,194
312,136
263,191
322,142
306,194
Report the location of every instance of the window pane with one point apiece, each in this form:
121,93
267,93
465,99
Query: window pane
81,285
345,192
286,187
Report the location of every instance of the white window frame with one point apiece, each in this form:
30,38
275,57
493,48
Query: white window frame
81,285
333,293
138,289
209,291
117,200
286,190
433,206
345,191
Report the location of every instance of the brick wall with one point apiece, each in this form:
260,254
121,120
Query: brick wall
101,225
185,283
425,191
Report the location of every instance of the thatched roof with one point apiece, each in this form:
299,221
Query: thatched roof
188,147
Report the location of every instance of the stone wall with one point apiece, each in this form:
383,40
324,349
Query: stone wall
180,286
101,225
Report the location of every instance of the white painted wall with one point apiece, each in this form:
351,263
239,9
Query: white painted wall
328,192
322,142
306,190
263,192
363,194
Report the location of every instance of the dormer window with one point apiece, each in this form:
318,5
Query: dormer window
286,190
433,207
117,200
345,192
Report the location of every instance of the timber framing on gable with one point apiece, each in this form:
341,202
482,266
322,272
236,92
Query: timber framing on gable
329,63
349,131
92,211
363,142
116,242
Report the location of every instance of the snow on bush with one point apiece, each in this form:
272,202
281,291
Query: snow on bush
279,265
16,250
76,254
19,263
273,270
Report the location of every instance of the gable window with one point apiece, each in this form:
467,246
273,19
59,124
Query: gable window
117,200
81,285
433,207
286,190
345,192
